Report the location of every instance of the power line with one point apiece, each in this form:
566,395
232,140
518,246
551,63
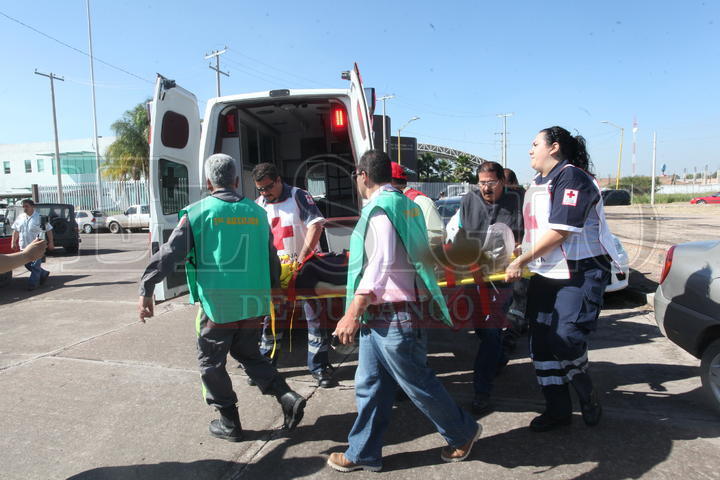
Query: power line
232,51
73,48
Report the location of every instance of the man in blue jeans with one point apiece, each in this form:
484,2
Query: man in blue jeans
479,209
388,274
27,227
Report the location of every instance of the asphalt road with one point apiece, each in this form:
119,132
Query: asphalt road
87,392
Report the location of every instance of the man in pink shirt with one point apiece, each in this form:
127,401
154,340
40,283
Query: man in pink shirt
387,273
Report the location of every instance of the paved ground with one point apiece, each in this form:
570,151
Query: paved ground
89,393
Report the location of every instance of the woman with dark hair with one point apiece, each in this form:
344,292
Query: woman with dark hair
569,247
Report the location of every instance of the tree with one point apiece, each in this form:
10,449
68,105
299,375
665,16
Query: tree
464,170
426,168
128,157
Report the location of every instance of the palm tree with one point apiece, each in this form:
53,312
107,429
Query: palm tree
128,157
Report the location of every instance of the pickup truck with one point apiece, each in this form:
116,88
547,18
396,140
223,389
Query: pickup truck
135,218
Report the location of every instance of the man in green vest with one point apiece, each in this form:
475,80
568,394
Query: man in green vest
388,279
231,263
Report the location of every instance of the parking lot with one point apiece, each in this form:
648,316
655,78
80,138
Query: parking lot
88,392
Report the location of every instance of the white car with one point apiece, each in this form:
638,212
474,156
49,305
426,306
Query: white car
619,276
135,218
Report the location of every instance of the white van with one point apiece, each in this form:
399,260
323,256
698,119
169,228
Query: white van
315,137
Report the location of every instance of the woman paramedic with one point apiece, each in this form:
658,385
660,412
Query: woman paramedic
569,248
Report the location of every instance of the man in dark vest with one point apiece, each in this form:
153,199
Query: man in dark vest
388,277
230,264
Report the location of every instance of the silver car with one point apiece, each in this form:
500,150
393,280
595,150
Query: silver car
90,220
687,307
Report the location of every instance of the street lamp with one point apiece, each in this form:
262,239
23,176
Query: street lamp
400,130
622,134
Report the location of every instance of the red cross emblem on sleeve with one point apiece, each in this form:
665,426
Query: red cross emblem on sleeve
570,197
280,233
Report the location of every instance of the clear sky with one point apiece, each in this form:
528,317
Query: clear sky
455,64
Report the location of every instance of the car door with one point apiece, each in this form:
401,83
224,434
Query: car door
130,217
144,217
174,169
359,115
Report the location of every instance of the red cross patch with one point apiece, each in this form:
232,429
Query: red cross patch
280,233
570,197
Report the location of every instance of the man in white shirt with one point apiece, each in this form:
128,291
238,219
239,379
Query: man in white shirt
27,227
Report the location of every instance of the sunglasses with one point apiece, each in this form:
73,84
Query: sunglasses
267,187
355,174
490,183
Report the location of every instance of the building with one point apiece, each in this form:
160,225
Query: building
24,164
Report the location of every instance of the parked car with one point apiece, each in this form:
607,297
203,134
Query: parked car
61,216
615,197
135,218
714,198
620,275
447,207
687,307
90,220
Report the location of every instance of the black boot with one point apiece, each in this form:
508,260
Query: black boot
227,426
293,404
591,410
545,422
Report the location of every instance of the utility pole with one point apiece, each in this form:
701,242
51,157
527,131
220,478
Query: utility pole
61,197
634,150
654,162
504,116
385,144
216,54
98,185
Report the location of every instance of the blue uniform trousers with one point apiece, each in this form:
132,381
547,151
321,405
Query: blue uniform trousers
562,314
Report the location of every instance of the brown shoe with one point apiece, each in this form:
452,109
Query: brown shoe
450,454
337,461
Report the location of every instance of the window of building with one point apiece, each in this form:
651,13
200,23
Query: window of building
6,167
174,191
40,164
28,166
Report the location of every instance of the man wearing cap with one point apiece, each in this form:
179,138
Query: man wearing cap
230,266
433,221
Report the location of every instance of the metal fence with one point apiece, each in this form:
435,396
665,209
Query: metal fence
690,188
117,196
433,189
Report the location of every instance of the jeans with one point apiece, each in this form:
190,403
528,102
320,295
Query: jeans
392,353
318,340
488,358
36,272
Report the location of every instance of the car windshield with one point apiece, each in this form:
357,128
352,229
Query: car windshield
97,213
57,211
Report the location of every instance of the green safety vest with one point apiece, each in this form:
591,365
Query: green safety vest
408,221
228,269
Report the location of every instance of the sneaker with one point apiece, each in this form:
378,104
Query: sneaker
451,454
545,423
339,462
481,403
324,377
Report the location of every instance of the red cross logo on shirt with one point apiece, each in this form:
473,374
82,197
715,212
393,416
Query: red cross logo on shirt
530,220
280,233
570,194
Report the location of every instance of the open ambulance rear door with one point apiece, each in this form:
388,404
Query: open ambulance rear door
359,115
174,169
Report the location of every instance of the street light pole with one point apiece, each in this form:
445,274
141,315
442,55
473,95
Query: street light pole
61,197
385,143
400,130
98,180
622,136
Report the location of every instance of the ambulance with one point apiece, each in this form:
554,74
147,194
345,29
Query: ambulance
314,137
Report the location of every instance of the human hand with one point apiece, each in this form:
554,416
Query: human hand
346,329
51,246
146,308
514,271
35,250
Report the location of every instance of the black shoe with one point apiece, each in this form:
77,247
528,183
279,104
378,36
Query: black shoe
293,407
481,404
591,411
324,377
44,277
227,426
545,423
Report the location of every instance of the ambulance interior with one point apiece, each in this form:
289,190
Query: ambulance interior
308,141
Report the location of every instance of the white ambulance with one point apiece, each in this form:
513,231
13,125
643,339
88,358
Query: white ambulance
315,137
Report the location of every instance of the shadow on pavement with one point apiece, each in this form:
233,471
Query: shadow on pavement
160,471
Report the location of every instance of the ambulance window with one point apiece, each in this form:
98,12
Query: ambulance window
175,130
174,192
266,148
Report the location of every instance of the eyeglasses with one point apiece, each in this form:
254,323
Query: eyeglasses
356,173
490,183
267,187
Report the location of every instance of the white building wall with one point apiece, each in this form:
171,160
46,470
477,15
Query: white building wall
16,154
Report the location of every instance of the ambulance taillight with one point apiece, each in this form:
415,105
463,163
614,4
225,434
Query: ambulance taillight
338,120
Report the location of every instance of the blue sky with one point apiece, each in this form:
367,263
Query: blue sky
454,64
